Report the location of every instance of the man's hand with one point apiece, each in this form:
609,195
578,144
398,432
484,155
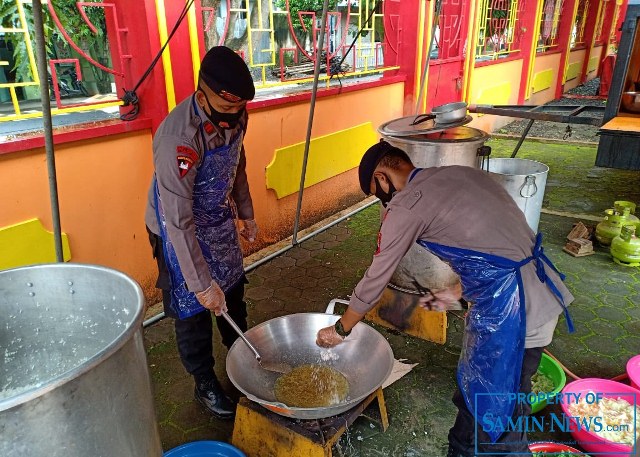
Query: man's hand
443,299
328,337
213,299
249,230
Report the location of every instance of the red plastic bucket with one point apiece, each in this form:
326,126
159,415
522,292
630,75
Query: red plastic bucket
547,446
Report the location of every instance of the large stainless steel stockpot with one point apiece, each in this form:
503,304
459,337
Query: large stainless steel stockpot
74,380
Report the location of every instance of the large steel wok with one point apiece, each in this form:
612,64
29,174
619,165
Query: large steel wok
365,358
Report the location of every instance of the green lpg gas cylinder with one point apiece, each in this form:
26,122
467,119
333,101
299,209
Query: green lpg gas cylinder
620,205
613,221
625,248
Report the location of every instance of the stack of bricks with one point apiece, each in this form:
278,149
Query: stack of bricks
579,241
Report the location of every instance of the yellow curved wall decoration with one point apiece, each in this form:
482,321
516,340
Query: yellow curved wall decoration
495,95
542,80
28,243
329,155
573,70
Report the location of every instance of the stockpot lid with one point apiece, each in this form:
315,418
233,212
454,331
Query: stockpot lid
452,135
404,126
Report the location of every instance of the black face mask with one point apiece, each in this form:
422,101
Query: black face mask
385,197
223,120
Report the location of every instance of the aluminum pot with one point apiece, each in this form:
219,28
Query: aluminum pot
455,146
525,181
73,379
365,359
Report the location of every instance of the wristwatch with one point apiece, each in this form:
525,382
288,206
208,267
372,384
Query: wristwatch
340,329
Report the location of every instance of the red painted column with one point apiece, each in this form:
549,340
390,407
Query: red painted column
180,51
197,4
606,27
564,41
589,31
401,34
527,42
141,41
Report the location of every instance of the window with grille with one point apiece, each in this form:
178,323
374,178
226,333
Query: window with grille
83,64
279,38
549,21
577,32
498,35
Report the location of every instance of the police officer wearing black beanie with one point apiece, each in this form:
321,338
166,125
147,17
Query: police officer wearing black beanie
199,162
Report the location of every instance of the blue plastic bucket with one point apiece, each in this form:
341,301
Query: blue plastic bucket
205,449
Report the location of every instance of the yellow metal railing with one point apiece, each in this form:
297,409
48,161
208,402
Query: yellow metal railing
24,30
597,34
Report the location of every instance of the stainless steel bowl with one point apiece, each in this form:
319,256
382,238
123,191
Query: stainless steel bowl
631,101
450,112
365,358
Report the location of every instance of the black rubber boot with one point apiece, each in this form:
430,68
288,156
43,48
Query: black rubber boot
209,394
451,452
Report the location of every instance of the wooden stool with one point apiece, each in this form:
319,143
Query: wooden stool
259,432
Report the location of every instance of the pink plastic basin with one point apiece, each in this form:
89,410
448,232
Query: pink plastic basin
591,442
633,370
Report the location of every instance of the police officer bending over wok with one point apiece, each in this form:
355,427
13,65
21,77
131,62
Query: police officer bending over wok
199,182
469,221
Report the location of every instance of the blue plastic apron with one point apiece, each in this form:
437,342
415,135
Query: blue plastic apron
493,342
215,227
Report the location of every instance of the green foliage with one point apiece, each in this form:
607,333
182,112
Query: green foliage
71,20
499,14
296,6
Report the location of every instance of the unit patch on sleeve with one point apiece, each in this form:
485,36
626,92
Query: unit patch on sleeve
186,158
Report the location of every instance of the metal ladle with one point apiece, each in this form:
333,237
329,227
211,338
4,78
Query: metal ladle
277,367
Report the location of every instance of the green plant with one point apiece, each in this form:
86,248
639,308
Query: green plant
499,14
296,6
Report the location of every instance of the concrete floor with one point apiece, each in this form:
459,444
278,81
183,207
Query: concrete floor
605,312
